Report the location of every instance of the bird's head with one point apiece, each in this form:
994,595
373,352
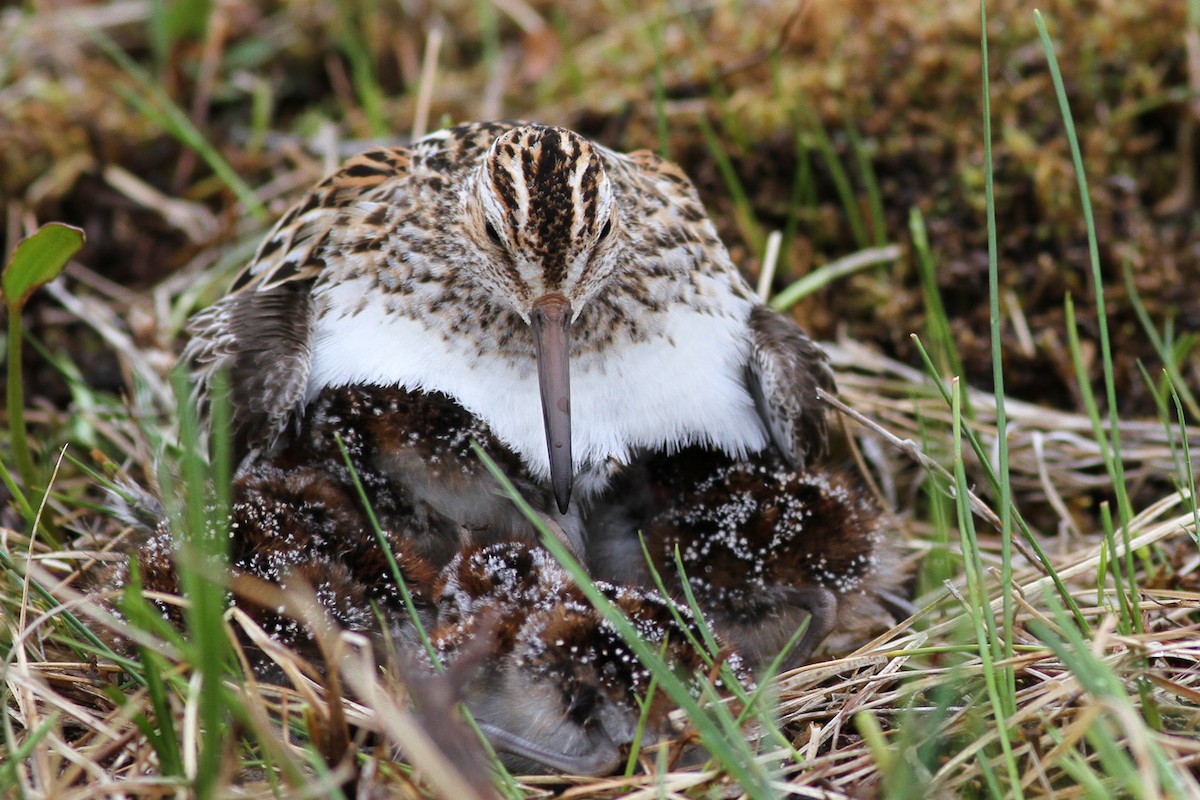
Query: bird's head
543,214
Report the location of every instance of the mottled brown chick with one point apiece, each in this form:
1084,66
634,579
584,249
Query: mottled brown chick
297,518
412,453
291,528
560,687
764,547
557,687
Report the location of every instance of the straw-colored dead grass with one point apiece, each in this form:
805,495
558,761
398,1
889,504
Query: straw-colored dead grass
92,744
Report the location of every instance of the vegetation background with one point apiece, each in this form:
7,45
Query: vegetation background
845,152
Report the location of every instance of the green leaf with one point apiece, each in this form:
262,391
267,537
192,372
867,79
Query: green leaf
37,260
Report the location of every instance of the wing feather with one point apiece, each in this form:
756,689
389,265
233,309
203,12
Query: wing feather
785,371
259,334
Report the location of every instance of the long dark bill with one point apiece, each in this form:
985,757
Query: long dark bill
551,318
602,760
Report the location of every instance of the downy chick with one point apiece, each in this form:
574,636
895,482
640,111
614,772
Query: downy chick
764,547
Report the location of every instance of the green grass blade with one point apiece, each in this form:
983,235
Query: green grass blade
1170,361
834,270
44,595
866,171
837,171
687,16
1006,505
939,564
635,746
1112,566
1115,465
15,488
362,72
175,20
1106,687
743,212
1091,409
709,648
163,736
17,755
937,321
1190,475
985,463
802,195
998,691
406,595
660,90
203,564
508,784
753,704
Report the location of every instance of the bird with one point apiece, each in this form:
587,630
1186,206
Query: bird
569,308
548,678
288,527
576,300
412,453
298,516
559,688
765,549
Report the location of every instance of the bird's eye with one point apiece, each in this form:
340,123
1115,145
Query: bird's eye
492,234
605,231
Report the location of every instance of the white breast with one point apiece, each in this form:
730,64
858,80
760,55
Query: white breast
682,388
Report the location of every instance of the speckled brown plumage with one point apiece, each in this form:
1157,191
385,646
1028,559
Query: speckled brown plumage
412,453
297,527
423,268
557,687
297,517
560,687
764,547
570,308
